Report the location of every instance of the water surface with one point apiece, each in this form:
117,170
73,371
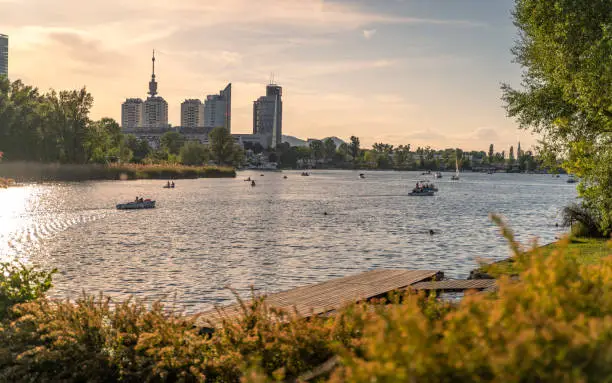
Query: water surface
208,234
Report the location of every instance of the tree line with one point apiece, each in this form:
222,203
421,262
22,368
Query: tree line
325,153
56,127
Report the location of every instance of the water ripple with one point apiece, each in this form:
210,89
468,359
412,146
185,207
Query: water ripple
208,234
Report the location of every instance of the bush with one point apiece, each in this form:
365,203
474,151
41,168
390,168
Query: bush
20,283
584,222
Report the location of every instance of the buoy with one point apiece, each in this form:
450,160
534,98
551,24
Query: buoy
325,213
431,232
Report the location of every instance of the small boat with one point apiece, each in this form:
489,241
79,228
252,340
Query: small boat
248,180
455,177
426,173
285,177
168,186
437,175
305,174
146,204
571,179
423,188
361,175
422,193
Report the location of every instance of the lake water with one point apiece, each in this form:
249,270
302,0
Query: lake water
208,234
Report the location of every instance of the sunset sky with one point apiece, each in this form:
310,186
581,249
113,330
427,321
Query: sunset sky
419,72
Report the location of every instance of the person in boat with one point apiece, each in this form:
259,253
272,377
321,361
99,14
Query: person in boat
168,184
141,200
137,199
172,185
253,183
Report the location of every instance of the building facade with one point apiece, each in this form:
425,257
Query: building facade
155,113
4,55
192,113
132,113
218,109
268,116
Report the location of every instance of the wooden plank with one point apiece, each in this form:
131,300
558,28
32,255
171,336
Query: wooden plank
456,285
327,296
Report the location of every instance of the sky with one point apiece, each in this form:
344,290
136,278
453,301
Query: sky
419,72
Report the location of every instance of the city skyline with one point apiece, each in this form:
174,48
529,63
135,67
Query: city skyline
396,71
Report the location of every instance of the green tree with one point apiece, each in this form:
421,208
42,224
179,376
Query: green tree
172,142
401,156
105,143
223,147
343,151
193,153
565,48
329,148
140,148
354,148
316,149
383,155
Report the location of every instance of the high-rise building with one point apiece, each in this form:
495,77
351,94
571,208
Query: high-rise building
4,55
132,113
155,107
192,114
218,109
268,115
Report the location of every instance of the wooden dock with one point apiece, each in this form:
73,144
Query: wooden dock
322,298
456,285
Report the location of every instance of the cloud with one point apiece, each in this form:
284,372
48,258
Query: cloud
368,33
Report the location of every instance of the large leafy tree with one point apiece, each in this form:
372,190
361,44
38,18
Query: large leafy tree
329,148
565,47
223,147
172,142
354,148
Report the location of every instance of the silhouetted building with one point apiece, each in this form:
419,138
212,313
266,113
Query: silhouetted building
192,114
155,107
132,113
218,109
4,55
268,116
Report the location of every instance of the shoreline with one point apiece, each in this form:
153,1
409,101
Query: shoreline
23,172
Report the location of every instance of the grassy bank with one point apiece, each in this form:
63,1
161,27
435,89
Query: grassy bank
35,172
588,251
553,324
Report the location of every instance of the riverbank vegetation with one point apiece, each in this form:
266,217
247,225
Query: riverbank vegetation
39,172
6,182
550,324
326,154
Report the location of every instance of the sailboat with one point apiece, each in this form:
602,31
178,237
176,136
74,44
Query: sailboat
455,177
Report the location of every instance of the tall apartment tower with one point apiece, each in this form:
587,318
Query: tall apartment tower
155,111
4,55
218,109
268,115
192,113
132,113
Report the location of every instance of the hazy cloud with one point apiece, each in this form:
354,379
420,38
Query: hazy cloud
368,33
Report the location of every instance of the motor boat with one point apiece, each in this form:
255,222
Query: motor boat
571,179
437,175
361,175
145,204
305,174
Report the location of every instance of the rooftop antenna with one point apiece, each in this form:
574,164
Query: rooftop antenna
153,83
